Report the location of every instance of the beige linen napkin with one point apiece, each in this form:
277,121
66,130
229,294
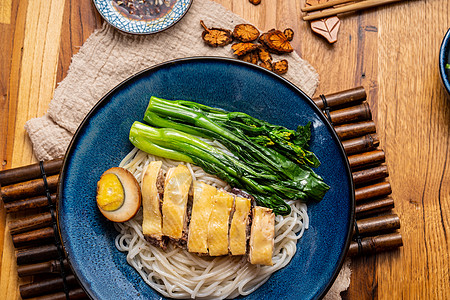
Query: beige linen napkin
109,56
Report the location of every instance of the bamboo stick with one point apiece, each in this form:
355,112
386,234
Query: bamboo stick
53,266
46,286
347,8
363,160
29,172
355,113
328,4
373,191
377,224
30,222
373,207
352,130
77,293
361,144
28,189
36,254
370,175
346,97
376,244
34,236
27,204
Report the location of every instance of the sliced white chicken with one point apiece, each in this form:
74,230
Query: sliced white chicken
151,204
201,211
261,236
239,226
218,223
174,207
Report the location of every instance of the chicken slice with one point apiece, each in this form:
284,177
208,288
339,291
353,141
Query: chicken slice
239,225
261,236
201,211
151,204
174,207
218,223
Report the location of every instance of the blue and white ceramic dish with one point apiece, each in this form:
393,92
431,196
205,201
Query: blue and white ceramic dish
444,59
142,17
102,141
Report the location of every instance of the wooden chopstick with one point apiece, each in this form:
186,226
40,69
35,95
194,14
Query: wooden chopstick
347,8
326,5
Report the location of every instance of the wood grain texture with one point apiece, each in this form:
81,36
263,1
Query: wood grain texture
392,51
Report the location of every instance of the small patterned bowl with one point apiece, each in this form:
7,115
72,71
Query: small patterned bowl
142,16
444,61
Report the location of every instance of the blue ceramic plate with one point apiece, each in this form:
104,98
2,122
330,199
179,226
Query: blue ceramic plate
142,17
444,59
102,141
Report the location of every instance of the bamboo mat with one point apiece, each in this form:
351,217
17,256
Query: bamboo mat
29,196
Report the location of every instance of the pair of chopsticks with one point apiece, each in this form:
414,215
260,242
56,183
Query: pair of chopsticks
335,7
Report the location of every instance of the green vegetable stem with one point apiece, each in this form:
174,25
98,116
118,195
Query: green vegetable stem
268,161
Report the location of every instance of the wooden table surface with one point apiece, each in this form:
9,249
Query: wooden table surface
392,51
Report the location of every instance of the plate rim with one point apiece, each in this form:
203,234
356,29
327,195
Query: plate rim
107,20
219,59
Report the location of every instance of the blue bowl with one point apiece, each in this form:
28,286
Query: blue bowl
101,142
444,54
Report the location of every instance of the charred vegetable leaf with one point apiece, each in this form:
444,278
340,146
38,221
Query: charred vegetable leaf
251,57
245,32
264,55
216,37
243,48
289,33
268,161
280,67
267,65
276,41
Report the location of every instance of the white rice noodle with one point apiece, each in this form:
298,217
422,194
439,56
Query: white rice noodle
179,274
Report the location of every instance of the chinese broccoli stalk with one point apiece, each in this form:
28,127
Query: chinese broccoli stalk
270,174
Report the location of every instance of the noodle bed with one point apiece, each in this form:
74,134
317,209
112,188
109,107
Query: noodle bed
176,273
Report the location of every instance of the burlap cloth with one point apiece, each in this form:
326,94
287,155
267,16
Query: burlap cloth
109,56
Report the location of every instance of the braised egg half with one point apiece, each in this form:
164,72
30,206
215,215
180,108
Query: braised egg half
118,195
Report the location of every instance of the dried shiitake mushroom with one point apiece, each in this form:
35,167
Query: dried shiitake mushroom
289,33
255,2
251,57
216,37
264,55
245,32
280,67
267,65
276,42
243,48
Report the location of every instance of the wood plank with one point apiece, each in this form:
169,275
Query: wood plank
5,11
38,70
414,119
79,21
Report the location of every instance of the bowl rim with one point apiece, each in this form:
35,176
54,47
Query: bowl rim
156,67
140,33
444,54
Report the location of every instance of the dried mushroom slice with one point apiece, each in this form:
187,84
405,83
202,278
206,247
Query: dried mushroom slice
280,67
243,48
276,41
245,32
251,57
216,37
267,65
264,55
254,2
289,33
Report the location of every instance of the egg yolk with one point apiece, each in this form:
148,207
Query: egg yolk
110,193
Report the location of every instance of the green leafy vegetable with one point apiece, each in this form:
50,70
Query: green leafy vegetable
266,160
447,66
